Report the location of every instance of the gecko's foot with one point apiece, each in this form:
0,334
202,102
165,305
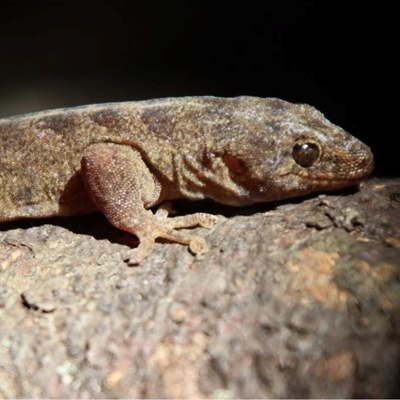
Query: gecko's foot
132,257
197,245
159,225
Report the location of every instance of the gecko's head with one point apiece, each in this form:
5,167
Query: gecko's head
276,150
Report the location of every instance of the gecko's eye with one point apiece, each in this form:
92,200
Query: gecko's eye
306,153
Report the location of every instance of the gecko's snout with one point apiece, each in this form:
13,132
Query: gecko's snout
364,162
368,163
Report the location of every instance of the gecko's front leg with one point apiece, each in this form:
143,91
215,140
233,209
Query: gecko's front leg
122,187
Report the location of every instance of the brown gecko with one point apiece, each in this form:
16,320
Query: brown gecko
124,158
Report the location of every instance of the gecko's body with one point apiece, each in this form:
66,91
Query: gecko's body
124,158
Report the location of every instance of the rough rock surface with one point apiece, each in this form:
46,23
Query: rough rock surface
297,299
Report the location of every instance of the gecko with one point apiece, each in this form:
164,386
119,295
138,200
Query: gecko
123,159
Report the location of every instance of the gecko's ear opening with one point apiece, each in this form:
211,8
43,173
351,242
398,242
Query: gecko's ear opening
306,153
234,164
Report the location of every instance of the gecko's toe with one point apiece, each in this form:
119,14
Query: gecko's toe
134,257
208,221
131,259
198,245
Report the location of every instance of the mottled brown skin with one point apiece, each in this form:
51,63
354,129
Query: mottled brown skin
124,158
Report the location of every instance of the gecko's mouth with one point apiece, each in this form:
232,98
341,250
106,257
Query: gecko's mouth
334,182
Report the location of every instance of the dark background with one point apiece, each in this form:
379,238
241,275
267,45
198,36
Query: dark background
340,57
